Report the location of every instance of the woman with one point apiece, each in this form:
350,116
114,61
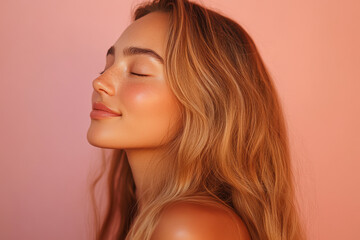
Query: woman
199,137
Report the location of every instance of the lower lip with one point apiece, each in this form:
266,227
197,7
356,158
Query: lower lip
98,114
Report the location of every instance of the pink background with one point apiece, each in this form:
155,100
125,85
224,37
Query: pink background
50,51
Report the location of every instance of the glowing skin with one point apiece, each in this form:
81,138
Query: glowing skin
148,106
149,110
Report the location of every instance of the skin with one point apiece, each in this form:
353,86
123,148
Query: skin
150,116
150,111
195,221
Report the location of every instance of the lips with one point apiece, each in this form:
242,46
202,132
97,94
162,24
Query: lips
102,107
100,111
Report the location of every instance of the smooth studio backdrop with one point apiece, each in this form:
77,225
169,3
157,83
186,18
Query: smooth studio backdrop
51,50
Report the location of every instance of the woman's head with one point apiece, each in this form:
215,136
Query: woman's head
147,106
231,142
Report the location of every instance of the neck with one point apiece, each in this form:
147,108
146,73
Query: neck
141,162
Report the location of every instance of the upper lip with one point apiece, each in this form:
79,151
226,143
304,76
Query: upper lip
103,107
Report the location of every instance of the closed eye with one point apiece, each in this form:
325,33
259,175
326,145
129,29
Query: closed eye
137,74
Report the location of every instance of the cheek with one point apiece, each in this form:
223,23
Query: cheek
147,101
150,112
138,98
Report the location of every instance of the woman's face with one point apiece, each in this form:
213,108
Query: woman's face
149,110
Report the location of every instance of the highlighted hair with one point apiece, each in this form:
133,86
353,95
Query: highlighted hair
232,145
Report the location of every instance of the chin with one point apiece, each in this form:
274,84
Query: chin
102,140
93,140
96,139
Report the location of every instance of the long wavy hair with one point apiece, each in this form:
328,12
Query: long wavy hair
232,145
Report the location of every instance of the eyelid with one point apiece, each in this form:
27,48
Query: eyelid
136,74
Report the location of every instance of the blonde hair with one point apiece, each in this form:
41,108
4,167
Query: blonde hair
232,144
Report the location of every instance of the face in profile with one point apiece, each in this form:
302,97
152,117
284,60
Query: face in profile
133,85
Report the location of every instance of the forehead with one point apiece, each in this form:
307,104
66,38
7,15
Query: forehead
149,31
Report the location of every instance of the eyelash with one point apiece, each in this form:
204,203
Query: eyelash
136,74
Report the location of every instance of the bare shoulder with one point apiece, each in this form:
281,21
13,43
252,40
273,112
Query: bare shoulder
195,221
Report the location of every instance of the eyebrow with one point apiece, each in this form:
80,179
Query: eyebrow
128,51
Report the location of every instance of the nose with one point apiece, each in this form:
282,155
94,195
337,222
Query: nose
102,84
